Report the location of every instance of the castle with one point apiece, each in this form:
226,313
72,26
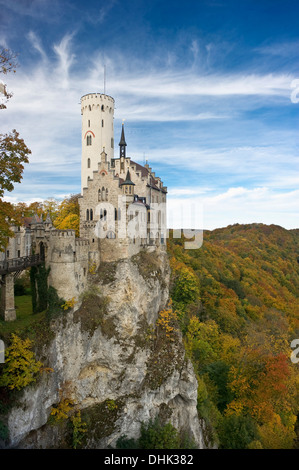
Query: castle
122,210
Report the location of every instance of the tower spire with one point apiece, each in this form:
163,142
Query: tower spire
122,143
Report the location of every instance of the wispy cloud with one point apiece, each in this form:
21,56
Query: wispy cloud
207,152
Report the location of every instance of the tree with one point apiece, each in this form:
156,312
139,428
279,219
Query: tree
7,64
20,367
13,154
68,214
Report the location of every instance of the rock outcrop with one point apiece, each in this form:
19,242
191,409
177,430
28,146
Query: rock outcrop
112,360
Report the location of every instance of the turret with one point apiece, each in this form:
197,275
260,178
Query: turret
97,112
128,185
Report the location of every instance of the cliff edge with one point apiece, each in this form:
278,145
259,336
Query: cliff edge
116,360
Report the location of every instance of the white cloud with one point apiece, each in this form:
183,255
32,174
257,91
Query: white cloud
257,205
45,109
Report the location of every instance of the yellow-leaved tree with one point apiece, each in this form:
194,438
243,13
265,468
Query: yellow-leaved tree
68,214
20,368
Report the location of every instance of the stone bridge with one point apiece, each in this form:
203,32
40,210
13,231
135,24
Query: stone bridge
9,270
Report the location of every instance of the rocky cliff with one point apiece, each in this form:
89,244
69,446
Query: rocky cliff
113,362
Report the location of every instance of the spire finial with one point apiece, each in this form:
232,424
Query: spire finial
122,142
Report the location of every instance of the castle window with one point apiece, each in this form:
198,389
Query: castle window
102,122
89,108
102,108
122,166
19,253
115,213
99,195
7,254
103,193
91,214
87,214
106,194
112,142
88,122
88,163
88,140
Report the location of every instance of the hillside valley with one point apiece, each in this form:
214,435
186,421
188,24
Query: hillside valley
237,300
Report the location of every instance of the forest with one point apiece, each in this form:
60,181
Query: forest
237,302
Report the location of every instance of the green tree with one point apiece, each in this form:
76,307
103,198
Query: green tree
237,432
156,436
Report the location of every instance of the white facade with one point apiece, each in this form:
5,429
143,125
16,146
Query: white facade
97,112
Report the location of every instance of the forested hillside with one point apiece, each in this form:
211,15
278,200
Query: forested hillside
237,300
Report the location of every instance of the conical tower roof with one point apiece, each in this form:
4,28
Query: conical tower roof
128,180
122,137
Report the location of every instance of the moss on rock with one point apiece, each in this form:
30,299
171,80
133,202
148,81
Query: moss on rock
101,420
93,313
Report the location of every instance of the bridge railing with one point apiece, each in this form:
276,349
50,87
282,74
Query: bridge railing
18,264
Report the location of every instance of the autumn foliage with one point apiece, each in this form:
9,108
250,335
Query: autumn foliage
237,300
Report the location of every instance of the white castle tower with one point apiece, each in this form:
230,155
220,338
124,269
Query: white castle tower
97,110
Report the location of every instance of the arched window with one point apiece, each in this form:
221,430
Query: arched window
88,140
99,195
88,163
87,214
103,193
91,214
111,234
102,108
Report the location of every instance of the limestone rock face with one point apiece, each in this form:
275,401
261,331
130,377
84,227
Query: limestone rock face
109,357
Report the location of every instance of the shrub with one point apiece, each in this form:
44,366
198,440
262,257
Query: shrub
237,432
20,368
156,436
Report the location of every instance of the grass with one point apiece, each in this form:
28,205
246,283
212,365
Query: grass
25,317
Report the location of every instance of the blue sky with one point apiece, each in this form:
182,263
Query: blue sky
207,89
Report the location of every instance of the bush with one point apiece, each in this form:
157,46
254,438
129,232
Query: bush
156,436
3,431
237,432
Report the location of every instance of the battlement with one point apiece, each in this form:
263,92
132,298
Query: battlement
97,99
81,242
63,233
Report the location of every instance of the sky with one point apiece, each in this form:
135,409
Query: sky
208,89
